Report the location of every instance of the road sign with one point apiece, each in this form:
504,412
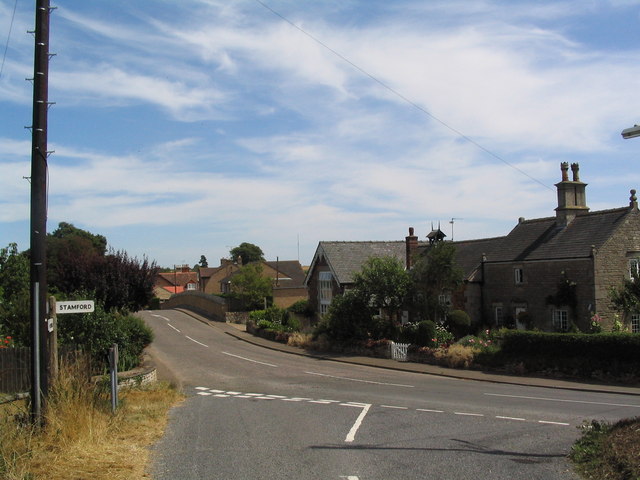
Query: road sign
75,306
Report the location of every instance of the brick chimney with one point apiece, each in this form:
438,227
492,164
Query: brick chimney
411,244
572,200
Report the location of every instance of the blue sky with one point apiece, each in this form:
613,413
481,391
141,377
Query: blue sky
183,128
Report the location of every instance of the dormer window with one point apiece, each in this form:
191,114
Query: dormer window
518,275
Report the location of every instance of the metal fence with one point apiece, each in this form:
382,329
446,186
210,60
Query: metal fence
15,366
15,370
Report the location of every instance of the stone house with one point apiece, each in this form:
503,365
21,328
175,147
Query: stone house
555,272
548,273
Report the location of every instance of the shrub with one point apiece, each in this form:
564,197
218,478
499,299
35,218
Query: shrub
301,307
459,323
349,319
456,356
425,333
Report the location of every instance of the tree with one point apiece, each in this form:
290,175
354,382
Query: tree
626,297
350,318
78,261
435,273
203,262
250,287
384,282
248,252
14,294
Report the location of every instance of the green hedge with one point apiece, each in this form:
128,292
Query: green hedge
576,354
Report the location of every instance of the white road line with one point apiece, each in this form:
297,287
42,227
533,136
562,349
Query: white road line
351,436
553,423
195,341
465,414
250,360
160,316
394,407
174,328
511,418
428,410
359,380
562,400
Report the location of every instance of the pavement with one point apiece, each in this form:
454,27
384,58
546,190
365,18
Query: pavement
238,331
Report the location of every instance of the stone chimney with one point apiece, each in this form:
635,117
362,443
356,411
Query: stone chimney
572,200
411,244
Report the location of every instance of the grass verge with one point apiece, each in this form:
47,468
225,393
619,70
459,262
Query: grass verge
82,439
608,451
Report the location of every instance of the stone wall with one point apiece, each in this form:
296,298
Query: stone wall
210,306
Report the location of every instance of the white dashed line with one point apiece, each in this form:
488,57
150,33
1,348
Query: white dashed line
395,407
518,419
171,326
553,423
359,380
466,414
249,359
429,410
195,341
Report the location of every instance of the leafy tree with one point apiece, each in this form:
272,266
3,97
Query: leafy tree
14,294
203,262
67,230
385,282
434,273
78,261
250,287
248,252
350,318
626,297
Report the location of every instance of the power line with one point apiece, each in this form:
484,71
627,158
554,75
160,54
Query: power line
6,47
401,96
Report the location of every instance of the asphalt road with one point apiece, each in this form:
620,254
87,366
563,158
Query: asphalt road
254,413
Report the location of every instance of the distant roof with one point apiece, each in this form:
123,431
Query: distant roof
544,239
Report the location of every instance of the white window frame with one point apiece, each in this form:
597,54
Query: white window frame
325,291
635,323
634,266
561,320
445,299
518,276
192,286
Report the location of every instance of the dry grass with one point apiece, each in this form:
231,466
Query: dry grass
456,356
298,339
82,439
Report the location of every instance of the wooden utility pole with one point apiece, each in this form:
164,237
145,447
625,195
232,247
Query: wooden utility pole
38,232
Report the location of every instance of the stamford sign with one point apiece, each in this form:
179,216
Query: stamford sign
75,306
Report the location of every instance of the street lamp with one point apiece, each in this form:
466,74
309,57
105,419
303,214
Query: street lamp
631,132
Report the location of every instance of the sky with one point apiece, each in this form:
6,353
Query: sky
183,128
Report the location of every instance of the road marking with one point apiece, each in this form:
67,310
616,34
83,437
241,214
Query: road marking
195,341
553,423
511,418
563,400
395,407
174,328
359,380
351,436
250,360
428,410
160,316
466,414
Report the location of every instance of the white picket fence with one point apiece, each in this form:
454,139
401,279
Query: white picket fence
399,351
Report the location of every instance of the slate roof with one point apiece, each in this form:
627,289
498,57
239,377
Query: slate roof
469,253
347,258
543,239
290,269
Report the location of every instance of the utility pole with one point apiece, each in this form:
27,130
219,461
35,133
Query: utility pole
38,228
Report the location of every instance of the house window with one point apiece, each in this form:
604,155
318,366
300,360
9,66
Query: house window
192,286
635,323
561,320
325,292
518,276
498,315
445,299
634,268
